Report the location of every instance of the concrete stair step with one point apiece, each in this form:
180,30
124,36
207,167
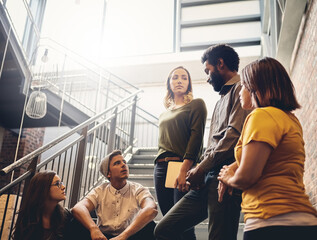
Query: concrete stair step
143,159
146,151
147,168
145,179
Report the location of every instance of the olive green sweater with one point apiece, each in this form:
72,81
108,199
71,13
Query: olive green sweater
181,130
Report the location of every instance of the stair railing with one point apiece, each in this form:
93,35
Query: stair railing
113,88
75,156
146,129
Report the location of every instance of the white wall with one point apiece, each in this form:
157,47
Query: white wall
152,97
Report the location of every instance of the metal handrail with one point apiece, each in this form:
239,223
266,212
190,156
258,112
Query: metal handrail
40,150
66,49
70,97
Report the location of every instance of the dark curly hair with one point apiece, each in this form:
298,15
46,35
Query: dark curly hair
224,51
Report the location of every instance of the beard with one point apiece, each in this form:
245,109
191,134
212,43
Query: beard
216,80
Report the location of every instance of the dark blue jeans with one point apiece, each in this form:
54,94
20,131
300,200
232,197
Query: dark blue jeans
195,207
168,197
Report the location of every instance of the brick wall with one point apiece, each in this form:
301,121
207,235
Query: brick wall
32,139
304,76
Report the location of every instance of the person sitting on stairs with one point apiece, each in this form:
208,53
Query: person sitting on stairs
125,209
41,216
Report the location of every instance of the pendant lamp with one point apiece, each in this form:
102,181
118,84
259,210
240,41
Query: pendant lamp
36,107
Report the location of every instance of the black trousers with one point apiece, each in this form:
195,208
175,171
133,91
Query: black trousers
145,233
282,232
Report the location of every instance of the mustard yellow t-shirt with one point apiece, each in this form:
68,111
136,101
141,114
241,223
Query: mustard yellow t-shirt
280,189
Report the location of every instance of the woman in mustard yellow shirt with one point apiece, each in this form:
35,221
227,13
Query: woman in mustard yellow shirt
270,158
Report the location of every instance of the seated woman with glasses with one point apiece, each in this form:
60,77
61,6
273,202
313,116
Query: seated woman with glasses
41,216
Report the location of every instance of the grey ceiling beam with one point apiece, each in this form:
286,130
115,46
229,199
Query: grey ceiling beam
194,3
219,21
234,43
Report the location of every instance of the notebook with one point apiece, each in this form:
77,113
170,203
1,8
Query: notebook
173,170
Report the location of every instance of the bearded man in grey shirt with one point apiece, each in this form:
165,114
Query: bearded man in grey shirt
221,64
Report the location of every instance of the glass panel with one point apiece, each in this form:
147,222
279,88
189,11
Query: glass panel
18,15
139,27
221,10
221,32
131,27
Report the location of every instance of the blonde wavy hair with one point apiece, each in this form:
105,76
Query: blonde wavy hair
169,97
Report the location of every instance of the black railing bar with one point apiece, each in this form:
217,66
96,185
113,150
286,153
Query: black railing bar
15,209
93,63
84,179
40,150
66,181
97,149
53,162
5,213
59,162
89,154
100,151
101,123
15,182
65,157
69,164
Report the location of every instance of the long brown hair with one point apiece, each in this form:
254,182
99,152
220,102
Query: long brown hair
269,84
29,224
169,98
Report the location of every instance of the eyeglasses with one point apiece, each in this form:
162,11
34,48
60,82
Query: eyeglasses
59,184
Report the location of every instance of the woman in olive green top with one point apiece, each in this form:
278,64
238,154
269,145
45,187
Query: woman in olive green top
181,131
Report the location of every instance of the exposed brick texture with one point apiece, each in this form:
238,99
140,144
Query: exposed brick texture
32,139
304,76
